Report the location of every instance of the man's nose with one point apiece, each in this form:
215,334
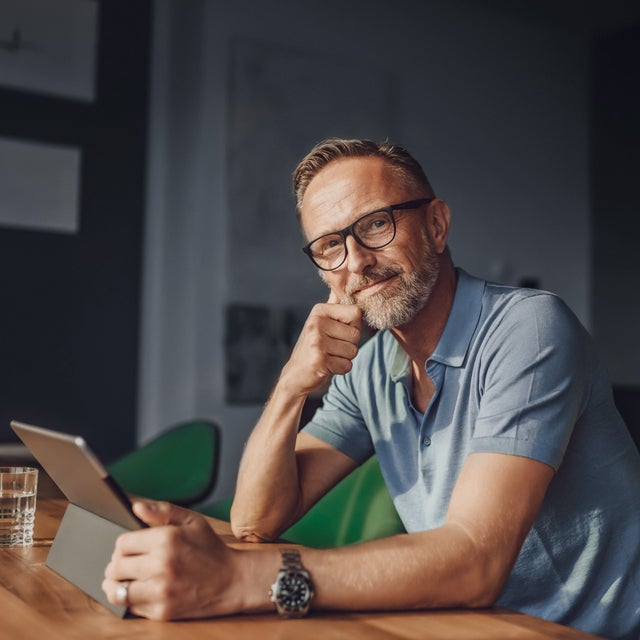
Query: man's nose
359,258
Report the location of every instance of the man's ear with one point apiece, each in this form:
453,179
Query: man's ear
438,220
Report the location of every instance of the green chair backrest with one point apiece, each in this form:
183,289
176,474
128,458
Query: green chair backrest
179,465
357,509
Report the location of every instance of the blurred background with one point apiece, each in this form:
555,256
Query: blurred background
150,263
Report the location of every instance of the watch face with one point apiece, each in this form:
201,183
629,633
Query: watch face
294,592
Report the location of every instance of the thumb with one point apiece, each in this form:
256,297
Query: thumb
333,298
160,513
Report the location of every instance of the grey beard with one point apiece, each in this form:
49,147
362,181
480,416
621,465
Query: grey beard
400,302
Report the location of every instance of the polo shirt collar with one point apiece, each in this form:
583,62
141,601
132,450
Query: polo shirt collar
454,342
462,322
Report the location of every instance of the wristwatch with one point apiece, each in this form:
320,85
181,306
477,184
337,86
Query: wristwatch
292,591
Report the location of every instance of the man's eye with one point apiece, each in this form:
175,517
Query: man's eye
327,245
375,224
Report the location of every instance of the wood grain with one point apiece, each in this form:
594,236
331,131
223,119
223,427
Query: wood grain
36,603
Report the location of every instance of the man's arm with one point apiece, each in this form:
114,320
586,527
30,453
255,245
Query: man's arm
282,473
182,570
465,562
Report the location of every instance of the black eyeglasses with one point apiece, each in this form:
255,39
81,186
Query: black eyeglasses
372,231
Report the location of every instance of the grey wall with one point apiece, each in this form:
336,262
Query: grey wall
496,110
616,206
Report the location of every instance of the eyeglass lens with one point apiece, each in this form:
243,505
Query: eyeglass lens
373,231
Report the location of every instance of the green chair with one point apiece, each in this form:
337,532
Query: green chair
179,465
357,509
220,509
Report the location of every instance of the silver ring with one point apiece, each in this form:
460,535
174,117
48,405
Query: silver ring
122,593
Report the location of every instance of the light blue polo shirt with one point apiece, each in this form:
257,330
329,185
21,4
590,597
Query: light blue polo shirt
515,373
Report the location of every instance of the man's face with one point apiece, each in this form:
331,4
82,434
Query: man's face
390,284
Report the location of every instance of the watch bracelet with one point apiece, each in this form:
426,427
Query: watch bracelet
291,560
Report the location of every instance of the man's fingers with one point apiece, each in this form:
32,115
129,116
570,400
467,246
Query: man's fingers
338,365
143,597
326,345
126,566
138,542
337,330
348,314
333,331
352,314
160,513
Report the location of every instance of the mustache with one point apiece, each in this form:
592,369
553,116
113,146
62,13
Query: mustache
358,281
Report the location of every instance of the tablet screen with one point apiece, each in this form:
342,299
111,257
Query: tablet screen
83,479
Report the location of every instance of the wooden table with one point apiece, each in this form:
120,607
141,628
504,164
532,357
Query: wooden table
37,604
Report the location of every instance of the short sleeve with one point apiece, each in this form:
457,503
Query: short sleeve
532,381
339,422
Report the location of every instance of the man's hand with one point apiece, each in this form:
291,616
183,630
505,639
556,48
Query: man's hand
276,484
327,344
178,568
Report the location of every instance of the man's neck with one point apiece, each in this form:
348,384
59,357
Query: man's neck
420,337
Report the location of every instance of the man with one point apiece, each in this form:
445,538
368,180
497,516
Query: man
487,408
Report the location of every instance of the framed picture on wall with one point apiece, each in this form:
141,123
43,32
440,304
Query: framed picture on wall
40,186
49,47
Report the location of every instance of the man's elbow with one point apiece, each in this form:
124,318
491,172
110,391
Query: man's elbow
251,534
486,581
483,599
253,529
259,524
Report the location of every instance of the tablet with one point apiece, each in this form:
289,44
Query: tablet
79,474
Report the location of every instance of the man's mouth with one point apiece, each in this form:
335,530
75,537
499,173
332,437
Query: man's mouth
370,286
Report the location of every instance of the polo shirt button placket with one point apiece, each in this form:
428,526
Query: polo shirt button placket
434,371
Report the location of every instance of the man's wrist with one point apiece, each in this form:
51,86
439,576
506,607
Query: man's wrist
253,575
288,386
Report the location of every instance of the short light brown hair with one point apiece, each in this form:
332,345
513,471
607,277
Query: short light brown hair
398,159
